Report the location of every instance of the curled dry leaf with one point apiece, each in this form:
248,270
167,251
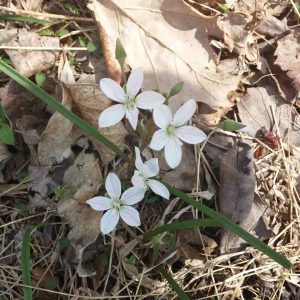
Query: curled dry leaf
29,62
237,184
171,45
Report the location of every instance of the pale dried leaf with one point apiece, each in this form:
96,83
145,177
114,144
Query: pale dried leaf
29,62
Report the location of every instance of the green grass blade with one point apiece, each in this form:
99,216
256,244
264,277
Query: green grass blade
194,223
25,264
56,105
253,241
181,294
24,19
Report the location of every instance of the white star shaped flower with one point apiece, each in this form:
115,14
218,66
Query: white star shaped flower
128,100
117,205
142,176
173,131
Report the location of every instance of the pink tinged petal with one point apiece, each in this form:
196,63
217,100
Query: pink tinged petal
159,188
134,82
138,160
113,185
149,100
112,90
185,112
162,116
159,140
130,216
99,203
109,221
132,116
173,153
112,115
138,181
191,134
151,168
133,195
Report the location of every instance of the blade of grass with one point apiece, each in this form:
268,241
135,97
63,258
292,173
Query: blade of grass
56,105
183,225
253,241
181,294
24,19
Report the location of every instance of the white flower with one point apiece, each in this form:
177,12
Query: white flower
128,100
144,172
117,205
173,131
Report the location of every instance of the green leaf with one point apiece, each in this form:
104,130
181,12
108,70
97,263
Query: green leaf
6,134
92,47
25,264
40,78
183,225
61,32
64,242
176,89
52,283
152,199
62,192
223,7
245,235
24,19
155,247
23,207
230,125
72,61
72,8
181,294
57,106
8,61
120,53
131,260
82,41
3,116
46,32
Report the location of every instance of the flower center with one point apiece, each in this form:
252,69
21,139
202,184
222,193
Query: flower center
130,103
170,129
117,203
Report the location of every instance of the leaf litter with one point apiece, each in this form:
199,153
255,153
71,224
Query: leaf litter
241,64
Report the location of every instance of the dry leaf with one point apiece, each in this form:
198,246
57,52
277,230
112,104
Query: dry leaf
171,45
237,184
29,62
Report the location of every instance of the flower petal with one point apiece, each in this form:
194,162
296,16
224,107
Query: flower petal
138,160
151,168
132,116
133,195
137,180
149,100
185,112
173,153
109,221
159,188
134,82
191,134
159,140
99,203
111,115
113,185
162,116
130,216
112,90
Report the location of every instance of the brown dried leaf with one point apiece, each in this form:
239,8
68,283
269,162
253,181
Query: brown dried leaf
29,62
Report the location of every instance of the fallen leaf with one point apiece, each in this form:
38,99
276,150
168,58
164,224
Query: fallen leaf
164,43
29,62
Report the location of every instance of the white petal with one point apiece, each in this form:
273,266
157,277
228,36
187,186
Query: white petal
151,168
138,160
111,115
99,203
130,216
109,221
185,112
132,116
149,100
113,185
112,90
162,116
137,180
159,140
173,153
134,82
133,195
159,188
191,134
